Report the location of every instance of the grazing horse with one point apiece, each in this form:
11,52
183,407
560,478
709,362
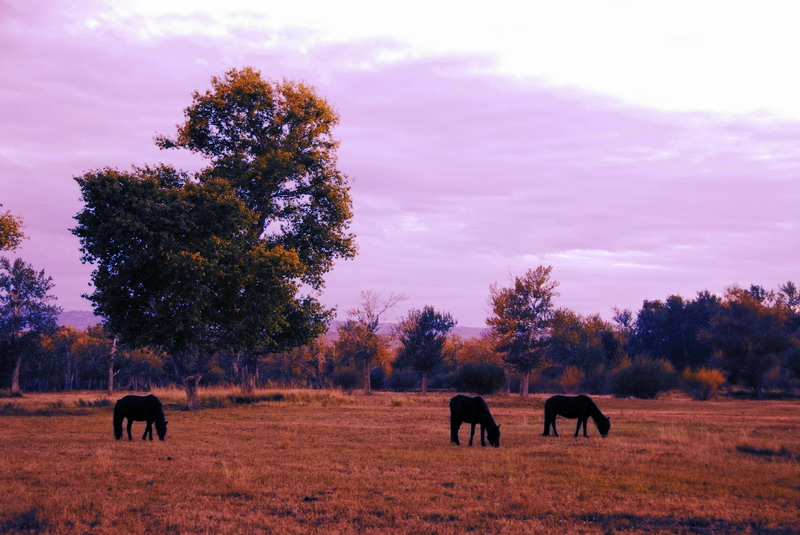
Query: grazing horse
141,409
473,411
580,407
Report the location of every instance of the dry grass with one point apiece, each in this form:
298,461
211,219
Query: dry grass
327,462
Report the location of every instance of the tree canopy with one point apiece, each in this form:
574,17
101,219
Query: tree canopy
521,315
11,234
223,259
423,334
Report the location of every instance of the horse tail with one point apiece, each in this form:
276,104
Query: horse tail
118,421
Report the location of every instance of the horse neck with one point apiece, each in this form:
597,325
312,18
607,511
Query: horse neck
595,413
488,421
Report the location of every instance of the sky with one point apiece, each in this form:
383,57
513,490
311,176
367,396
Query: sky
642,148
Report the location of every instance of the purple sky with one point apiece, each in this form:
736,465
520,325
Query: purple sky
464,173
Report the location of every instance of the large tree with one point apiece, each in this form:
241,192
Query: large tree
167,254
521,316
227,259
423,334
273,143
26,310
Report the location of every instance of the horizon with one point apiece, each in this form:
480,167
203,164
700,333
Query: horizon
640,159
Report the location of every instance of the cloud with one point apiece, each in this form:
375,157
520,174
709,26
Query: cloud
460,178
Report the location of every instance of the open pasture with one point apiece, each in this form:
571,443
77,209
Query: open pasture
327,462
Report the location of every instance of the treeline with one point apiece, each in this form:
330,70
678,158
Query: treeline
747,339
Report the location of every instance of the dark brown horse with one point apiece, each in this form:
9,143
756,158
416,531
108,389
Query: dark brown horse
140,409
473,411
580,407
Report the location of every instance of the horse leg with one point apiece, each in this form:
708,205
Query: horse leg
130,424
471,433
483,434
555,433
148,431
454,425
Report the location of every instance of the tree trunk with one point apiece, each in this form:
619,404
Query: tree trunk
424,382
190,383
506,380
367,370
248,369
111,359
15,391
523,384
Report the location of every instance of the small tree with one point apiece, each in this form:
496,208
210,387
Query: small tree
358,336
520,319
26,309
423,334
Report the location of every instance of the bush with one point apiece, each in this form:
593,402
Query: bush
479,378
377,378
346,379
571,380
643,378
402,380
703,383
596,382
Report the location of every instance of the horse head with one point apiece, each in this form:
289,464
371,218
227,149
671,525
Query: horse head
161,429
604,425
493,435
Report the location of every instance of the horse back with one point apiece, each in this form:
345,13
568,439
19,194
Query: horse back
569,406
472,410
139,408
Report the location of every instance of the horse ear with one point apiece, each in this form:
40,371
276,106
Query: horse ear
498,427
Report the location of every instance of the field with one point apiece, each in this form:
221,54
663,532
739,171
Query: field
329,462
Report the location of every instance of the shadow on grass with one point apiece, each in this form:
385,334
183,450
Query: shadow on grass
27,522
612,523
767,453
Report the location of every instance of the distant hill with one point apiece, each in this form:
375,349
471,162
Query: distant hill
81,319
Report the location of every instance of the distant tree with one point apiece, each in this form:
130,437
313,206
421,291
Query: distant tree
671,330
26,310
61,348
521,320
582,341
481,350
11,234
423,334
749,336
358,338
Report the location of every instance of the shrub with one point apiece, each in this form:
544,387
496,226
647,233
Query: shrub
479,378
402,380
346,379
571,379
643,378
377,378
703,383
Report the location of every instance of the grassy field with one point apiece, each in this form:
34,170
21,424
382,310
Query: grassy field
327,462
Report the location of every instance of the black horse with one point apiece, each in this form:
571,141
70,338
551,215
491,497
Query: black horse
473,411
140,409
580,407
